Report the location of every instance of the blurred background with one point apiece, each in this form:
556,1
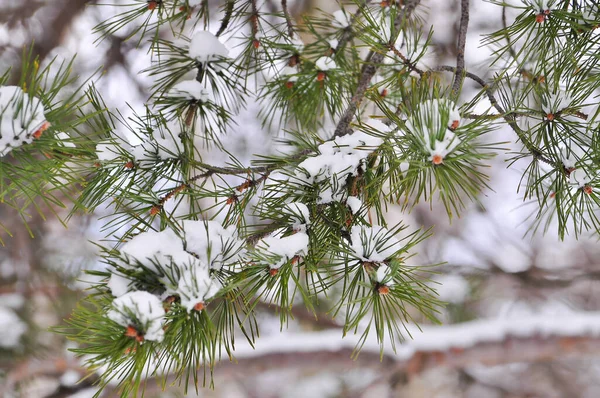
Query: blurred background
520,319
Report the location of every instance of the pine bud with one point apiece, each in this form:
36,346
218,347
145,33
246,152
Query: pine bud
383,289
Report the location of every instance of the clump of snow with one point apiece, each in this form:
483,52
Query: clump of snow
300,215
11,328
196,286
333,43
204,243
580,179
384,275
151,247
568,157
283,248
214,245
21,118
432,123
354,204
337,160
555,102
206,47
325,63
141,310
373,244
341,19
190,90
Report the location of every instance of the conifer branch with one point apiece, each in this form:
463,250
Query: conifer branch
288,18
226,17
462,41
508,116
372,63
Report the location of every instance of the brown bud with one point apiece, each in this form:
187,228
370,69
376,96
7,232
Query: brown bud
587,189
321,76
155,210
273,271
383,289
289,85
199,307
38,133
437,159
152,4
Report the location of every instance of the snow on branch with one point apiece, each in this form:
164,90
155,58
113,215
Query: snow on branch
488,342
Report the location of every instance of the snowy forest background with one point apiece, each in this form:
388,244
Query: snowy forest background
521,319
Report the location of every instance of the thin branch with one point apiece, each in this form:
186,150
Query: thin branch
372,63
413,67
288,19
462,41
509,117
226,17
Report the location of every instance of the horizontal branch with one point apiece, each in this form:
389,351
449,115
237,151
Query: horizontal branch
488,342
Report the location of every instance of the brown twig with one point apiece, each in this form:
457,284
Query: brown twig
288,18
462,41
405,60
509,117
372,63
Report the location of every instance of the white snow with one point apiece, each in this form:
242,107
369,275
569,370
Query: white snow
452,288
325,63
354,204
214,245
555,102
432,120
196,286
283,247
578,179
150,247
299,213
21,118
432,338
107,151
64,137
190,90
118,284
337,160
206,47
373,244
384,275
341,19
11,328
70,378
143,311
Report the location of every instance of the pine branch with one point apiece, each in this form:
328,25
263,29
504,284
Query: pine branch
462,40
226,17
372,63
508,116
288,18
